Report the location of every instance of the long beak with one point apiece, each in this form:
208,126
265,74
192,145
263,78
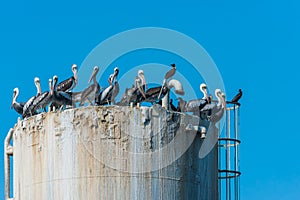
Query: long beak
92,76
142,91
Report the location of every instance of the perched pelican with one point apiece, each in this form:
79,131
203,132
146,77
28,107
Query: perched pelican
216,111
41,101
237,97
93,91
27,109
194,105
16,105
115,92
69,84
133,95
105,95
168,75
143,80
109,94
59,97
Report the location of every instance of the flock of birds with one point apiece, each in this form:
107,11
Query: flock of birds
60,95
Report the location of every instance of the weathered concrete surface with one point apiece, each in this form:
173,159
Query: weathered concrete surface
111,153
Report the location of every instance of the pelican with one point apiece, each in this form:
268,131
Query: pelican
168,75
59,97
18,107
237,97
216,111
135,94
153,93
109,94
44,99
93,91
143,80
195,105
27,109
69,84
115,91
105,95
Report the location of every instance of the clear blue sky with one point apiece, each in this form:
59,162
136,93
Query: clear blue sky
255,45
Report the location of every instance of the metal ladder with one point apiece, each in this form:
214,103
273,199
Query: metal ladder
228,147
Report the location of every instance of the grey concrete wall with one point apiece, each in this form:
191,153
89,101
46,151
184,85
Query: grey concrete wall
111,153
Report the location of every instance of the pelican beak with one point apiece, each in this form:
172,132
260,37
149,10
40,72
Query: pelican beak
141,90
92,76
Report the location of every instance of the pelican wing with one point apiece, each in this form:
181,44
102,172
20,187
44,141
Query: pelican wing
66,85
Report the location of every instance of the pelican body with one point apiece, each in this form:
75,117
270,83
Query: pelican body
18,106
28,107
59,97
215,111
93,91
69,84
44,99
108,95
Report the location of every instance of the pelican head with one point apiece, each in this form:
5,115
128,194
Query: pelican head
74,70
140,72
15,95
218,92
116,71
74,67
223,96
94,74
142,76
111,79
16,91
38,85
36,80
55,79
203,89
219,95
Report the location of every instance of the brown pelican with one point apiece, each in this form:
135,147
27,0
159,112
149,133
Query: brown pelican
41,101
116,88
93,91
168,75
143,83
237,97
69,84
105,95
59,97
16,105
109,94
194,105
216,111
27,109
133,95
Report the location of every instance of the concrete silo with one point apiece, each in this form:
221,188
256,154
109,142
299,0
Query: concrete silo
110,152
